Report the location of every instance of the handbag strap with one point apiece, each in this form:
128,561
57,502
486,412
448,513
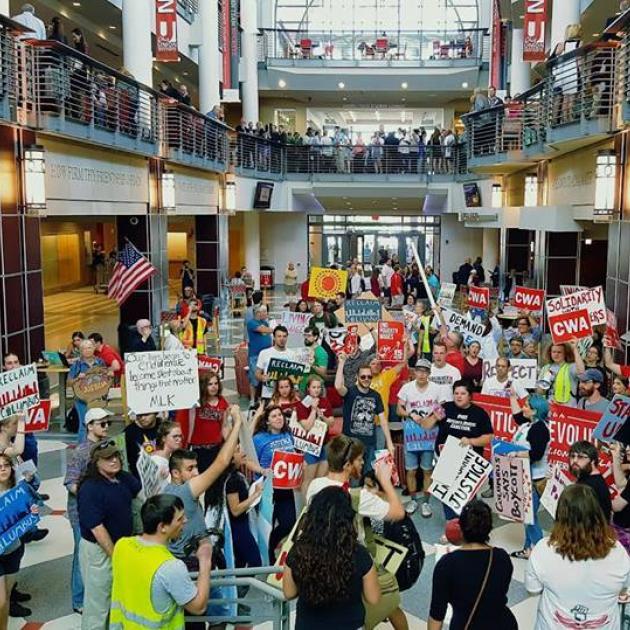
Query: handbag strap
481,590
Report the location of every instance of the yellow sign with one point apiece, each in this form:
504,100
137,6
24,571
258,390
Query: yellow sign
325,283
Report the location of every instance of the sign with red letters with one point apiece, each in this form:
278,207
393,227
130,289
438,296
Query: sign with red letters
287,469
38,417
534,30
166,30
526,299
479,297
590,299
613,419
567,326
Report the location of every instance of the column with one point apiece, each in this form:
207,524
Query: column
520,78
209,58
209,234
490,249
565,12
137,49
251,230
266,17
4,8
249,59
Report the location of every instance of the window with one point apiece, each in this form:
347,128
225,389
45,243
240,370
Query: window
286,118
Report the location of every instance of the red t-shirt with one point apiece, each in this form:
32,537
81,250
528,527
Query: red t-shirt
456,359
109,355
304,412
625,371
397,284
208,423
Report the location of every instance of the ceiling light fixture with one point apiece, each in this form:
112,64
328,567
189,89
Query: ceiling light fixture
282,83
404,85
341,85
465,85
112,27
76,4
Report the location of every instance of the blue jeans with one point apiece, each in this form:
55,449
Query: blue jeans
76,582
81,408
533,533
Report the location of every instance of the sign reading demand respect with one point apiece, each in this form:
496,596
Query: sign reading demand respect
161,381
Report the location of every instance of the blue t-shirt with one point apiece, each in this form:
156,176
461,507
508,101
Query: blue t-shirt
359,411
266,443
257,341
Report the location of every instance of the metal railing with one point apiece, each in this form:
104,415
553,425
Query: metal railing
252,154
533,104
371,45
188,9
10,51
494,130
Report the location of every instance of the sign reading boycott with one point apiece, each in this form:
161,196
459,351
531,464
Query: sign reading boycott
325,283
590,299
278,368
513,489
391,341
362,311
16,517
38,417
572,325
456,322
521,370
310,442
287,469
566,426
18,390
613,419
479,297
526,299
162,381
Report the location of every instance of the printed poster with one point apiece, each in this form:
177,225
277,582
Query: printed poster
324,284
391,341
18,390
310,442
360,311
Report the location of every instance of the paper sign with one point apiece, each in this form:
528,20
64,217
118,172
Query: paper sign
24,469
590,299
531,300
351,342
479,297
362,311
310,442
611,336
385,457
512,489
18,390
456,322
162,381
522,370
389,555
93,386
15,516
555,485
417,438
391,341
450,461
38,417
567,326
295,323
613,419
287,469
149,473
568,289
211,364
325,283
447,294
278,368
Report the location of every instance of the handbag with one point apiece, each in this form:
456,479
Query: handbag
481,590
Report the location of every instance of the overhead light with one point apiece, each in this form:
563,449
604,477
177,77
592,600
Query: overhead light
465,85
531,190
595,34
112,27
230,193
605,183
403,99
588,241
76,4
282,83
185,73
35,177
341,85
497,196
404,85
168,191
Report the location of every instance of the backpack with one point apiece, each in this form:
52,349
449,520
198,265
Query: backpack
405,534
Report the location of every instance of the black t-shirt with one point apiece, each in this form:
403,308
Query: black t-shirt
457,580
346,615
137,438
601,490
622,519
359,411
472,422
236,484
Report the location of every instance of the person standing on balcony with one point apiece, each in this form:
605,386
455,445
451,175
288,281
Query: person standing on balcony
493,99
27,18
55,30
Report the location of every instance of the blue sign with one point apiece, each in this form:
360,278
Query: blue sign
613,419
362,311
15,514
500,447
417,438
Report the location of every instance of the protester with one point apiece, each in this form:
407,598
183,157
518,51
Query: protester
278,350
141,434
194,328
580,569
621,503
583,462
590,397
141,339
169,438
501,384
561,369
319,357
259,336
473,366
172,342
284,395
322,318
290,280
443,374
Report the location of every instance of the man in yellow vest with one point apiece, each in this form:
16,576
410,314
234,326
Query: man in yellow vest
151,588
194,327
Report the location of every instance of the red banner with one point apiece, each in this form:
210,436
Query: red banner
287,469
351,342
534,30
391,341
526,299
479,297
567,326
566,426
166,30
210,364
38,417
497,41
500,412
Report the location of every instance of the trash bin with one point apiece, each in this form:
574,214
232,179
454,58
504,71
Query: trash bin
267,280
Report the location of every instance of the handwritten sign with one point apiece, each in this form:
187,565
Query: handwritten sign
38,417
531,300
15,516
278,368
93,386
161,380
522,370
590,299
573,324
447,294
287,469
295,323
310,442
362,311
18,390
613,419
391,341
513,489
553,489
325,283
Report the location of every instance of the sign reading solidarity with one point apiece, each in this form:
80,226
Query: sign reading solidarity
534,30
513,489
553,489
166,30
362,311
161,380
566,426
526,299
572,325
611,336
16,517
310,442
479,297
391,341
456,322
18,390
325,283
590,299
287,469
38,417
521,370
613,419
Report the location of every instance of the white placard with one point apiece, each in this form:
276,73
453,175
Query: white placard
310,442
162,381
590,299
522,370
450,461
447,294
558,482
456,322
18,390
149,473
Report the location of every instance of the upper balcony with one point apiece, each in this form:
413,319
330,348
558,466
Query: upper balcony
10,60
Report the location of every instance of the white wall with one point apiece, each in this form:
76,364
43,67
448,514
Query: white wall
457,242
284,238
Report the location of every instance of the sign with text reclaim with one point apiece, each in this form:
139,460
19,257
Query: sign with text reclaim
534,30
16,517
479,297
362,311
166,30
18,390
526,299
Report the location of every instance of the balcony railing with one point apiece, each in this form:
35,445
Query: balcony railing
494,131
11,59
370,45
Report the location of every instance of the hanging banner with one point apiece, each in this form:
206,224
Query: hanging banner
611,336
497,45
391,341
566,426
567,326
531,300
166,30
325,283
362,311
613,419
287,469
513,489
479,297
590,299
535,23
235,39
18,390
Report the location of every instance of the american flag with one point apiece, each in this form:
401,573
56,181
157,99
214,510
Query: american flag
131,270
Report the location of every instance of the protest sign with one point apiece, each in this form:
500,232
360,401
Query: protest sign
479,297
553,489
25,469
447,293
568,289
38,417
521,370
456,322
500,447
567,326
362,311
161,380
351,342
611,336
512,489
278,368
526,299
211,364
287,469
335,338
15,516
311,441
590,299
295,323
566,426
613,419
149,473
450,461
18,390
93,386
500,412
383,456
418,439
391,341
325,283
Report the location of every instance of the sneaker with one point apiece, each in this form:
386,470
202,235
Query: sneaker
411,506
17,610
426,511
35,535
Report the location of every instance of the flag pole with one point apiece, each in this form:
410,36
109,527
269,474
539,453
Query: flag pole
414,251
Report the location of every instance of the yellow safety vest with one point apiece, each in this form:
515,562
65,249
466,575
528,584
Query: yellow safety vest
562,385
425,324
186,336
134,566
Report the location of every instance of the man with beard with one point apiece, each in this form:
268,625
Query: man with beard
590,397
583,460
319,357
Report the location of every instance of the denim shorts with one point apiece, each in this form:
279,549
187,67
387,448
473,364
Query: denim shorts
315,459
418,459
251,374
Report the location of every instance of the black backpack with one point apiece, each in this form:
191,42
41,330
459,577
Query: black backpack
405,534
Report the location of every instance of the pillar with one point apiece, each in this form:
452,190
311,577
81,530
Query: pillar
137,50
249,59
251,230
266,17
490,248
520,78
4,8
564,12
209,58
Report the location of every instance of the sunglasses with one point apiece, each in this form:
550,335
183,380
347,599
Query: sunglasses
365,377
104,424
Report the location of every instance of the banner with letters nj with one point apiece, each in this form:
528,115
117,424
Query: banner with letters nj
166,30
534,26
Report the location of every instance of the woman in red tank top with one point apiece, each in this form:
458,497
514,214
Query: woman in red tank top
284,395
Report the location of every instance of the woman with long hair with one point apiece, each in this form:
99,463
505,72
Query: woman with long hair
284,394
302,307
619,386
580,569
562,366
473,366
169,438
327,569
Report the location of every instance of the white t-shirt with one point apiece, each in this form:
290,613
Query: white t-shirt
444,378
420,401
263,363
492,387
387,272
575,594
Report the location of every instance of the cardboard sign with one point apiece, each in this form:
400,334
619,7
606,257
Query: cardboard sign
522,370
566,426
295,323
162,381
278,368
211,364
513,489
324,284
391,341
447,294
287,469
567,326
310,442
555,485
535,24
149,473
38,417
590,299
450,461
166,30
479,297
611,336
15,516
18,390
362,311
93,386
531,300
613,419
456,322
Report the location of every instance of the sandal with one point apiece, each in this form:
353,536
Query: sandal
523,554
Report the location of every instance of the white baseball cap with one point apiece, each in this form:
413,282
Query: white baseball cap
96,413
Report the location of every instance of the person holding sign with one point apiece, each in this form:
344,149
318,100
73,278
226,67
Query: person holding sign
443,374
563,364
501,384
621,504
284,394
278,350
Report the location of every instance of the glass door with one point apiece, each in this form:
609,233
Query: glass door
332,250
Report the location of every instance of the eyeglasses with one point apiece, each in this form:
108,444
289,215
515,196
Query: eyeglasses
365,377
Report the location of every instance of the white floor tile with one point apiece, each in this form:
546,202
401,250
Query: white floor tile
56,545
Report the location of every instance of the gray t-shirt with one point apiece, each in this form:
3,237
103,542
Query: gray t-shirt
195,525
600,406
